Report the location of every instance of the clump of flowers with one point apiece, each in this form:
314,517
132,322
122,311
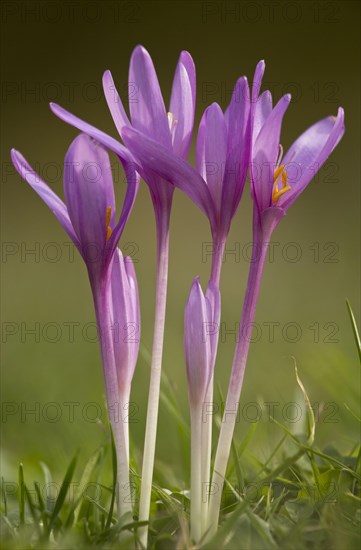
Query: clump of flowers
245,138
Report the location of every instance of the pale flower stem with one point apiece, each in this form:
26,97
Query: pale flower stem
116,400
207,415
121,437
196,472
207,418
155,379
235,385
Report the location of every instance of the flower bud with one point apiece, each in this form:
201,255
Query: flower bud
125,318
201,324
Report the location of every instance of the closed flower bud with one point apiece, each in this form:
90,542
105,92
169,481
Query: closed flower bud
201,322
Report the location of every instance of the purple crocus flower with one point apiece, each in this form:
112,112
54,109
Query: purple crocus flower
277,180
216,186
88,215
171,131
89,218
273,192
201,323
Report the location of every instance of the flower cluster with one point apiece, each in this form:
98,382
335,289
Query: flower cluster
245,138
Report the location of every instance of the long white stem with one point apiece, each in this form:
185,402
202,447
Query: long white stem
196,472
125,495
155,378
235,385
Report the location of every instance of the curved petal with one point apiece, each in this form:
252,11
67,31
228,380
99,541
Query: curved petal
201,146
172,168
238,147
98,135
130,196
257,81
182,107
50,198
187,60
261,110
309,152
89,193
265,153
147,110
215,152
114,103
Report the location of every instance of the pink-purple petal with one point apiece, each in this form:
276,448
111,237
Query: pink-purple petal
238,148
172,168
215,151
261,110
182,109
265,153
89,192
187,60
257,81
92,131
148,114
114,103
132,178
50,198
308,153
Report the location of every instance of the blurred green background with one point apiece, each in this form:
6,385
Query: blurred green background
57,51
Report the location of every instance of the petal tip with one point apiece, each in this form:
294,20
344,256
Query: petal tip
140,50
14,155
107,75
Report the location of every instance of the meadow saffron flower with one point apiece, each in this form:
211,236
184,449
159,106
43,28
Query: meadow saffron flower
222,155
201,323
173,131
273,192
89,218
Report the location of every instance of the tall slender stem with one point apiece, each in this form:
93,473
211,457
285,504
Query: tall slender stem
207,415
196,472
239,364
217,258
155,376
117,400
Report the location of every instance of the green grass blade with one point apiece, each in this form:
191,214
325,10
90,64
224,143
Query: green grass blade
100,507
42,508
32,509
21,495
63,491
354,329
5,497
84,480
48,483
311,414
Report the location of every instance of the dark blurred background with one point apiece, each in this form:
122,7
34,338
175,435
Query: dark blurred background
57,51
